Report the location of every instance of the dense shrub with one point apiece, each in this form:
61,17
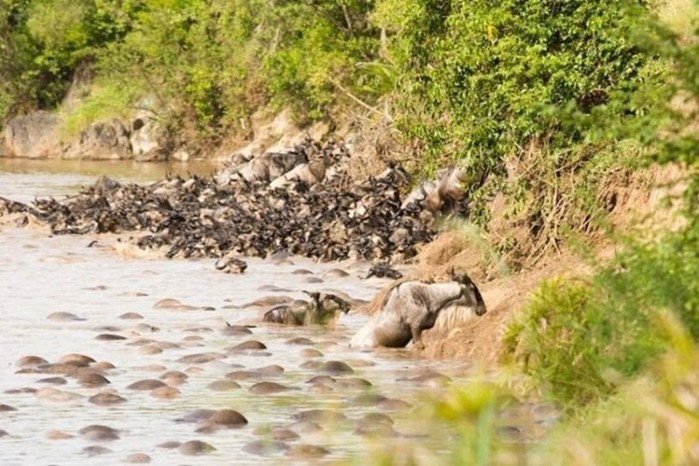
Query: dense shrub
484,77
42,42
208,65
521,93
580,340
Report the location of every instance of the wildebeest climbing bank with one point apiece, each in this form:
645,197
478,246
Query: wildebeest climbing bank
302,201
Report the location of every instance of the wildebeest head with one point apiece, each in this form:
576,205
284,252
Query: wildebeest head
332,302
470,291
328,302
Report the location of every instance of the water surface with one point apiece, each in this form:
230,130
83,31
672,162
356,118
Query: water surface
41,275
24,179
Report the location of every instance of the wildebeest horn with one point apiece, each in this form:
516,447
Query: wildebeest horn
313,294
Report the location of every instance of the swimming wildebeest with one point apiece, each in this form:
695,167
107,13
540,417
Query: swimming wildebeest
322,309
413,306
230,264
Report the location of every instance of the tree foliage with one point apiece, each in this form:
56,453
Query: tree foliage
44,41
208,64
582,340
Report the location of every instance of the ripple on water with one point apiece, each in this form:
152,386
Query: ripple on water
162,397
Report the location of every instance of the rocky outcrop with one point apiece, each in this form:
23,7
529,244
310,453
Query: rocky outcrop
32,136
148,140
37,135
101,141
145,139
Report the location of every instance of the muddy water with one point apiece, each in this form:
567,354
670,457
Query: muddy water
23,179
41,276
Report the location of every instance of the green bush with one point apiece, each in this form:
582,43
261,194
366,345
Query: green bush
579,340
44,41
485,78
316,53
212,64
104,101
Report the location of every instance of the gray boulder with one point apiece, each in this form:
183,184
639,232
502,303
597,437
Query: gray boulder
107,140
32,136
148,140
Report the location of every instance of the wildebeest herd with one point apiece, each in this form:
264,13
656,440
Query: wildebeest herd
300,201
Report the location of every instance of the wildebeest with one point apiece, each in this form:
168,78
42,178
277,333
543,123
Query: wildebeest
231,264
323,308
413,306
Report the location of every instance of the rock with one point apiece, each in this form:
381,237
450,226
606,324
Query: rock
169,444
392,404
30,361
148,139
266,388
228,418
107,140
53,394
283,435
91,380
195,447
58,435
137,458
305,451
53,380
75,359
109,337
174,377
223,385
265,447
32,136
99,433
319,415
337,367
107,398
201,358
310,353
379,430
249,345
198,415
96,450
180,155
165,393
147,384
64,316
353,382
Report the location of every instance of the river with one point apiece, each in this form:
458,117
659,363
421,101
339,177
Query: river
101,297
58,297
